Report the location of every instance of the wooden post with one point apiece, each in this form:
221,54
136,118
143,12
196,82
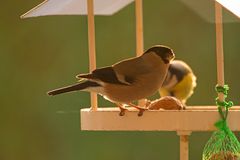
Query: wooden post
184,144
139,33
92,48
139,27
219,47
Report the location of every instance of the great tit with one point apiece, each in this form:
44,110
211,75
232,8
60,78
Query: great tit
128,80
180,81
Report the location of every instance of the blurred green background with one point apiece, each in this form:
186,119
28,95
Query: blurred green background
40,54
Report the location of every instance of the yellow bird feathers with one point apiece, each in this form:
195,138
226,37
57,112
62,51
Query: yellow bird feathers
179,82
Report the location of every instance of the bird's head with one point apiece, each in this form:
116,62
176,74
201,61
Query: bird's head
164,52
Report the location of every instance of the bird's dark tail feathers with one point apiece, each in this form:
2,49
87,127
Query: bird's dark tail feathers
71,88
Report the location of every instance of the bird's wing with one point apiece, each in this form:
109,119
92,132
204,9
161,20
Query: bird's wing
106,74
128,70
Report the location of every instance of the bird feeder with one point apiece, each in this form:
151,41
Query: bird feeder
184,122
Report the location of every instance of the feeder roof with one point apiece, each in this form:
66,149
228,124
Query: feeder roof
232,5
205,9
76,7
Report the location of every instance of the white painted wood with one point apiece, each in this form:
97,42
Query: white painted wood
205,9
76,7
231,5
190,119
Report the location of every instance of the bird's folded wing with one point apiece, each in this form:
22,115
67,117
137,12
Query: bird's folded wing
130,69
106,74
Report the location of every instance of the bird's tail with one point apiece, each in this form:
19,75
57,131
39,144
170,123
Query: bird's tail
71,88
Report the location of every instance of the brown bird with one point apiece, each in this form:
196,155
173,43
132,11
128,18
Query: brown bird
128,80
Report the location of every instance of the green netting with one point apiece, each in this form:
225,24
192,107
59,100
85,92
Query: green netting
223,144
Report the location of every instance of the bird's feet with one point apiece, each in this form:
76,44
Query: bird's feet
122,109
147,103
141,109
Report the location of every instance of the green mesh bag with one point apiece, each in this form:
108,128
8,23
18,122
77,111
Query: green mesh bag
223,144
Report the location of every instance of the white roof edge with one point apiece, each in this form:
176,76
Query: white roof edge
75,7
25,15
231,5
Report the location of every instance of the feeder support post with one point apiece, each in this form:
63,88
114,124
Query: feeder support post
184,144
139,27
139,33
92,47
219,47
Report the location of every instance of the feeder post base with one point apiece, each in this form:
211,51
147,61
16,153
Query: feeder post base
184,144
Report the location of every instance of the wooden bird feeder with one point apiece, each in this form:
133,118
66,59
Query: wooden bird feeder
194,118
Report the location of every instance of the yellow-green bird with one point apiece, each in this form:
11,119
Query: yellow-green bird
179,82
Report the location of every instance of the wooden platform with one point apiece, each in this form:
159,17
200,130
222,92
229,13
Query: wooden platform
194,118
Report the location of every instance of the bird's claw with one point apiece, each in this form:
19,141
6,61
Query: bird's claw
122,111
147,103
141,110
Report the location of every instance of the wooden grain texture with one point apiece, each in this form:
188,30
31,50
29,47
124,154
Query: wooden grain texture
139,34
197,119
184,144
219,47
139,27
184,147
92,47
